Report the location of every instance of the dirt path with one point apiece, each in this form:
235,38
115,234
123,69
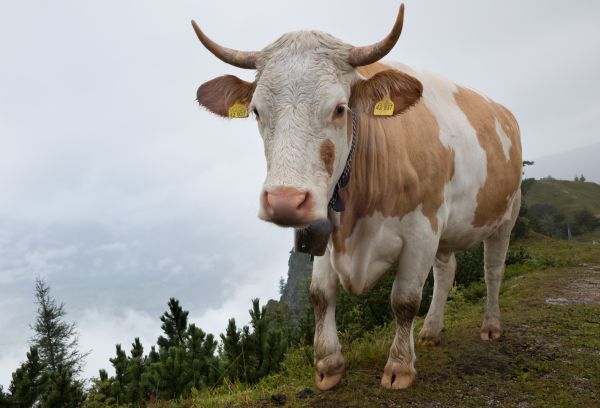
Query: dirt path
549,354
581,290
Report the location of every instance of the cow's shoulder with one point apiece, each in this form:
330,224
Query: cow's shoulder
400,165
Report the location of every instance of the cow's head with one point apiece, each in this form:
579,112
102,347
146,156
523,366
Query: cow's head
305,89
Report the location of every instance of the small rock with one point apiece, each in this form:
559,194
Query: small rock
278,399
557,301
564,301
305,393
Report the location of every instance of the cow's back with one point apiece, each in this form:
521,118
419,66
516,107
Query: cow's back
467,187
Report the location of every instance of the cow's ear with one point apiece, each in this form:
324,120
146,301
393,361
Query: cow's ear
226,96
370,95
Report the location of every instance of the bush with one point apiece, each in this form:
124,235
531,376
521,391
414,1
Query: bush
474,291
517,256
526,184
427,295
548,220
584,221
521,228
469,265
355,314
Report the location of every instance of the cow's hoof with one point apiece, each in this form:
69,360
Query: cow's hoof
428,338
490,329
397,376
327,382
329,371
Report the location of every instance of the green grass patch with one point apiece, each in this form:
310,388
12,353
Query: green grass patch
547,252
566,196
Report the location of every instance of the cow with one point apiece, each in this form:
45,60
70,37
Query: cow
429,167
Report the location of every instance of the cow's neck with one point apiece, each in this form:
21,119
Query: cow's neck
399,164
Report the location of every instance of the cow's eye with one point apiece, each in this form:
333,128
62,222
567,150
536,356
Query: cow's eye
255,112
339,111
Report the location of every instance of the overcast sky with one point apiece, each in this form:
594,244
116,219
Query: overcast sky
121,192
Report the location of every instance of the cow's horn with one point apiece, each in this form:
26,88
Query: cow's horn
372,53
241,59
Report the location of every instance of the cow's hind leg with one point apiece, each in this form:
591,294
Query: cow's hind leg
444,268
329,363
414,265
495,248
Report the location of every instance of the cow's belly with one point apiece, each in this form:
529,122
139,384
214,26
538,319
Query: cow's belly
375,245
459,233
377,242
458,239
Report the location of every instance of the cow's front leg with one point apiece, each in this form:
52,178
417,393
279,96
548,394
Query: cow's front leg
413,268
329,363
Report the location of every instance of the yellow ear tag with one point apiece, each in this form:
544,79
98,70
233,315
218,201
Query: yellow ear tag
238,110
384,107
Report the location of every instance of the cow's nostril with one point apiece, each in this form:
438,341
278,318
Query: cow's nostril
266,204
296,200
305,202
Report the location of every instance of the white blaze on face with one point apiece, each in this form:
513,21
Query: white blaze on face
300,83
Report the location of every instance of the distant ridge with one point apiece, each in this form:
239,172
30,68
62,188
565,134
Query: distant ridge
583,160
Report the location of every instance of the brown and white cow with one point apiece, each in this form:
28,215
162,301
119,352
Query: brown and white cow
438,176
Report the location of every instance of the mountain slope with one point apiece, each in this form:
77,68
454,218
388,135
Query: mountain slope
566,196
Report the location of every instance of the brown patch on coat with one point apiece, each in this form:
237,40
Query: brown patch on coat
503,175
327,152
219,94
399,163
371,70
405,311
319,303
403,89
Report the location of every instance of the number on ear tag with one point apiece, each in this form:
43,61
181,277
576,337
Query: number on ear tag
384,107
238,110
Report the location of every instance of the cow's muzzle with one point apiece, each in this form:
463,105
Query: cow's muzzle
288,207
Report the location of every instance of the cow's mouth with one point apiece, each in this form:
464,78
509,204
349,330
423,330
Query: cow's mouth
290,222
314,238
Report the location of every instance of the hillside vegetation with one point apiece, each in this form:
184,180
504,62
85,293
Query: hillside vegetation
560,208
548,355
566,196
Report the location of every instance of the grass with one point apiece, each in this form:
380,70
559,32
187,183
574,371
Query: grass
549,355
547,252
590,236
566,196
